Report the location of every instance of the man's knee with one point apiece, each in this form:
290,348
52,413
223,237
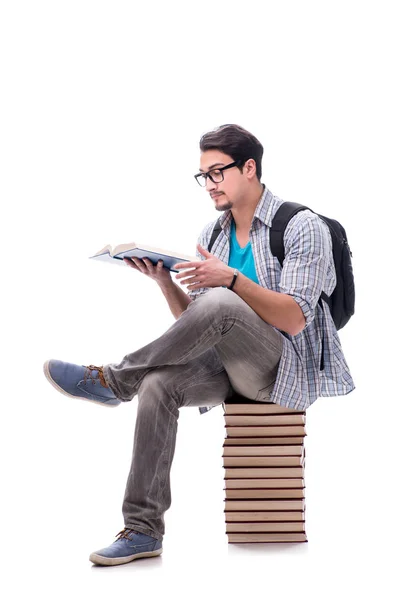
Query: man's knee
220,300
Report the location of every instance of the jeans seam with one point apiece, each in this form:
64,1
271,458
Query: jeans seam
194,380
248,327
234,320
163,486
188,387
198,341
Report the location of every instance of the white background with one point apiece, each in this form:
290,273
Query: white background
102,107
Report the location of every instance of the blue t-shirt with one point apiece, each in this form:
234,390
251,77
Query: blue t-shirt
241,258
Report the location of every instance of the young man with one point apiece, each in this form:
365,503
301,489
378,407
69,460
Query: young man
246,325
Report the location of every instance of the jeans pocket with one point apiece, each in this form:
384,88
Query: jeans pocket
264,395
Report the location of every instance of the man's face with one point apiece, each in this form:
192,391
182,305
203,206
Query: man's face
226,193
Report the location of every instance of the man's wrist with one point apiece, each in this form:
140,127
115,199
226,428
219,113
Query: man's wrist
232,278
228,277
167,285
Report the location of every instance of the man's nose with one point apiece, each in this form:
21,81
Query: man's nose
210,185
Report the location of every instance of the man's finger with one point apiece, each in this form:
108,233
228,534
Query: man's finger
187,265
130,263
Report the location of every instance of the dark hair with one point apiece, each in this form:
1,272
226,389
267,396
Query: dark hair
236,142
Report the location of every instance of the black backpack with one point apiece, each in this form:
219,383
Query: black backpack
342,300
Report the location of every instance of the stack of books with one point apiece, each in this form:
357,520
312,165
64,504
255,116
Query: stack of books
264,459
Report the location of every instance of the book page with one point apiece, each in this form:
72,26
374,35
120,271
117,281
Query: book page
106,257
106,250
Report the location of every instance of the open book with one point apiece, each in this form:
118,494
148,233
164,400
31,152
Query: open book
117,254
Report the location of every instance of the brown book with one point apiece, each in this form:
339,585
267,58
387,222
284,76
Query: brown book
265,473
246,517
264,441
258,408
263,461
270,493
265,526
261,505
264,451
263,483
241,538
264,420
281,430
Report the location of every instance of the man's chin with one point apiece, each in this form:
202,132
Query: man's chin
223,205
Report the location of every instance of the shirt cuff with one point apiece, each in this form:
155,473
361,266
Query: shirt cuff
306,310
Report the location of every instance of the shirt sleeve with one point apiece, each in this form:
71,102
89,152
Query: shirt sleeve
308,252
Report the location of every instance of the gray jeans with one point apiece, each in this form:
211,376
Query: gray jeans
217,347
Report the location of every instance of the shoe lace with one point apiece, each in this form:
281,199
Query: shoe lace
100,376
124,533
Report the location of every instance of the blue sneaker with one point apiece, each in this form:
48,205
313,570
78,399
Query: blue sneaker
128,546
78,381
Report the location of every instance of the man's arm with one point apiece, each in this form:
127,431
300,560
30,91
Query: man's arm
279,310
177,299
308,251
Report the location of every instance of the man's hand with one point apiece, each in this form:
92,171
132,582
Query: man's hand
157,272
211,272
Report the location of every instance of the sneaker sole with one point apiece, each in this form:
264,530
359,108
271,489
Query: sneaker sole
59,389
97,559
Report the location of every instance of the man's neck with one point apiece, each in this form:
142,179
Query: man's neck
243,215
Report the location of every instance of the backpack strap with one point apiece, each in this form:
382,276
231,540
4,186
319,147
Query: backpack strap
216,231
285,212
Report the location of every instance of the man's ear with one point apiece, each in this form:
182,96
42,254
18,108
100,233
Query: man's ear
250,167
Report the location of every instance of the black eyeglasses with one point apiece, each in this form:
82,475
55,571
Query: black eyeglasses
216,175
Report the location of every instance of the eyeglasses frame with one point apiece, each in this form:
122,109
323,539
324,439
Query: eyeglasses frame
235,163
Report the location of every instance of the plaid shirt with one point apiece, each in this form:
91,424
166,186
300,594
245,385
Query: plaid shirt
308,269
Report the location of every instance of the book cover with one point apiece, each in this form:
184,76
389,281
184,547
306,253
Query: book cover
295,482
263,461
281,430
263,450
264,473
266,526
285,515
263,441
261,505
264,420
117,254
235,538
253,407
264,494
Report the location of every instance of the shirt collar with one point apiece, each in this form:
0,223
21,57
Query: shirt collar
264,211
